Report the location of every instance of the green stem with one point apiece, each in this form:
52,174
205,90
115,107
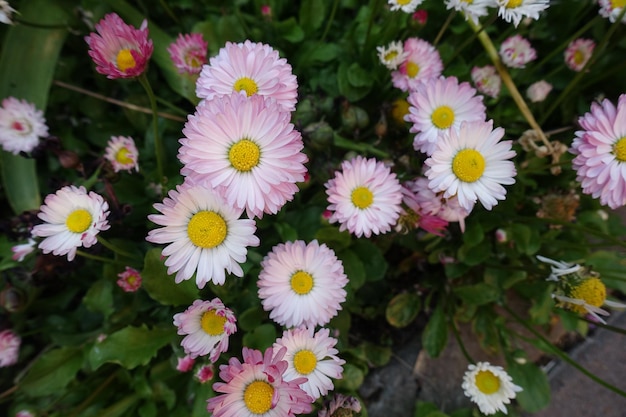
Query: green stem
598,324
98,258
370,23
93,395
40,25
158,145
459,341
444,27
330,20
114,248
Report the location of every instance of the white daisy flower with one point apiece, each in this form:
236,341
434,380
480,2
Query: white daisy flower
21,125
490,387
6,12
407,6
73,218
471,9
516,10
611,9
392,55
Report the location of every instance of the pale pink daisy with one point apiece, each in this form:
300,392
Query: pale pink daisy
487,80
205,373
207,325
119,50
21,251
435,204
6,12
538,91
185,364
516,10
256,388
24,413
600,149
340,405
472,9
611,9
72,218
302,284
252,69
122,153
21,125
188,53
246,148
422,63
129,280
407,6
391,55
516,52
439,106
473,164
9,348
205,235
578,53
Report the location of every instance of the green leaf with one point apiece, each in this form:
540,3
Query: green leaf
202,393
373,260
477,294
120,408
312,15
161,286
474,234
527,240
99,298
358,77
402,309
286,232
353,268
536,393
251,318
52,371
333,238
260,338
131,346
376,355
435,333
147,409
423,408
352,379
351,92
290,30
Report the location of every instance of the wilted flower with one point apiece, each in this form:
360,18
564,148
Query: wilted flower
487,80
516,52
578,53
21,125
122,153
9,348
188,53
538,91
489,386
129,280
340,406
559,206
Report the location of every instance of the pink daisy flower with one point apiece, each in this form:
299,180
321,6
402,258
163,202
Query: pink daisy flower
600,149
312,356
207,326
365,197
185,364
21,125
302,284
516,52
9,348
487,80
338,403
441,105
72,218
251,68
422,63
205,373
611,9
119,50
256,388
129,280
122,153
516,10
246,148
23,250
578,53
188,53
538,91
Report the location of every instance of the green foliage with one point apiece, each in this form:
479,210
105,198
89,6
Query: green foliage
435,334
536,388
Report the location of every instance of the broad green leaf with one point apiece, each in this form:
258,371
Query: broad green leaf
261,337
312,15
358,77
351,92
120,408
376,355
52,371
99,298
435,333
527,240
353,268
147,409
373,260
333,238
161,286
202,393
402,309
251,318
477,294
352,379
290,30
474,234
536,388
423,408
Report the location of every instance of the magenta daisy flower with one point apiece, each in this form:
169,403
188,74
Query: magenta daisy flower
206,326
21,125
129,280
119,50
247,148
422,63
516,52
255,387
9,348
365,197
188,53
441,105
250,67
487,80
302,284
578,53
205,373
600,149
122,153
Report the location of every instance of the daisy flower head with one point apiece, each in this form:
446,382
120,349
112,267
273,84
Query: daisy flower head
439,106
489,387
251,69
188,53
600,149
434,204
21,125
413,216
205,373
207,326
538,91
312,356
129,280
516,52
185,364
516,10
422,63
611,9
407,6
122,153
340,405
302,284
6,12
391,55
247,148
578,53
9,348
365,197
119,50
203,233
472,9
255,387
473,164
487,80
72,218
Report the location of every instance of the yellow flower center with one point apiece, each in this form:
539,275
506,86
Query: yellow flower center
487,382
619,149
78,221
403,2
207,229
246,84
592,291
362,197
258,397
399,109
304,362
512,4
244,155
468,165
443,117
412,69
618,4
123,156
212,323
301,282
468,1
125,60
390,55
579,57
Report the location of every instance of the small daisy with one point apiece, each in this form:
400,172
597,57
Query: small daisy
9,348
207,326
119,50
392,55
578,53
188,53
204,233
302,285
312,356
407,6
600,150
611,9
472,9
129,280
538,91
21,125
490,387
435,204
247,148
185,364
487,80
122,153
515,10
256,388
22,251
439,106
340,405
422,63
413,216
6,12
516,52
251,68
472,163
205,373
365,197
72,218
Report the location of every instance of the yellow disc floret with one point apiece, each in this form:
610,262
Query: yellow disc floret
304,362
207,229
246,84
212,323
512,4
618,4
125,60
302,282
468,165
123,156
487,382
592,291
362,197
258,397
244,155
412,69
78,221
443,117
619,149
